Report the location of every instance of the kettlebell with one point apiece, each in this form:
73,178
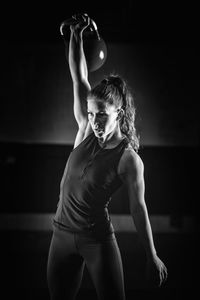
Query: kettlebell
94,46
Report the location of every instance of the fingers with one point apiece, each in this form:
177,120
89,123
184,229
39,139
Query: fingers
80,17
158,276
82,21
163,275
157,272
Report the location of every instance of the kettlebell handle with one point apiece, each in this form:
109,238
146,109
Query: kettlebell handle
73,21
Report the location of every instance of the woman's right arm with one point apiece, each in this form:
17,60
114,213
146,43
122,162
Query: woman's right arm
79,73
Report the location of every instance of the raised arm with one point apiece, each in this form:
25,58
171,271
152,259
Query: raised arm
79,71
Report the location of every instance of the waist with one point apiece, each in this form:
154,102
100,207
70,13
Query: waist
99,232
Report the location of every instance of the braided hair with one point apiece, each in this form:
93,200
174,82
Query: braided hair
115,91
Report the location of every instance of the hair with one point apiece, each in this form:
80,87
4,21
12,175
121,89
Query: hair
114,90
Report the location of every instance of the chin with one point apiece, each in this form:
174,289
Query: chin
99,134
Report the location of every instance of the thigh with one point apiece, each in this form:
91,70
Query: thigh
65,266
103,260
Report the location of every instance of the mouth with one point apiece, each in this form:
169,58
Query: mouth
99,131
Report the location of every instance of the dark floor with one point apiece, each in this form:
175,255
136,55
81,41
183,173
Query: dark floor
24,257
42,294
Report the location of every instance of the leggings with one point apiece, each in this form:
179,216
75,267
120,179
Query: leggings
70,252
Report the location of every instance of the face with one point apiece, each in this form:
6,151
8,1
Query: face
102,117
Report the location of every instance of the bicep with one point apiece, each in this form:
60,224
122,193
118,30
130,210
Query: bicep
136,189
134,182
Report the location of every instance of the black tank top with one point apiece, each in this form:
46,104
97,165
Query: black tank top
89,180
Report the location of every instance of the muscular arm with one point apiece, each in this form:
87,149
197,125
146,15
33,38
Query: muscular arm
134,180
79,74
133,176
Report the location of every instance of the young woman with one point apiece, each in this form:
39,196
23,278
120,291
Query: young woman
104,157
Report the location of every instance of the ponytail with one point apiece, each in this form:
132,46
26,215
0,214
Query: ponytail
115,91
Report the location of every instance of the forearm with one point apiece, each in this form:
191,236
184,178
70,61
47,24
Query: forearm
143,227
77,61
79,74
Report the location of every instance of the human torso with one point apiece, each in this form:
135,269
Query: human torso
89,180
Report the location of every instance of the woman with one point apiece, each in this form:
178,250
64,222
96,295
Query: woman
104,157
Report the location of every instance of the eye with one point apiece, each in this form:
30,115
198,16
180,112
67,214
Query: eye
98,115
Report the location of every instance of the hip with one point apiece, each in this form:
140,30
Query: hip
91,234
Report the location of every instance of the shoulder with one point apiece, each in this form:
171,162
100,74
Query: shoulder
130,163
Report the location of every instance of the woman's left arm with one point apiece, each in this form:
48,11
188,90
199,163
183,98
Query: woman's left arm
133,177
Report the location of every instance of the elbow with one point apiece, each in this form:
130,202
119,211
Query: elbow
138,208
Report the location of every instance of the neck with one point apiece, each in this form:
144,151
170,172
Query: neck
111,139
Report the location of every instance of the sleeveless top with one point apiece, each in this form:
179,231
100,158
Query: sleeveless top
89,180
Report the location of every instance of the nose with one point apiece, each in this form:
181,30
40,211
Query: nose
95,121
96,125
